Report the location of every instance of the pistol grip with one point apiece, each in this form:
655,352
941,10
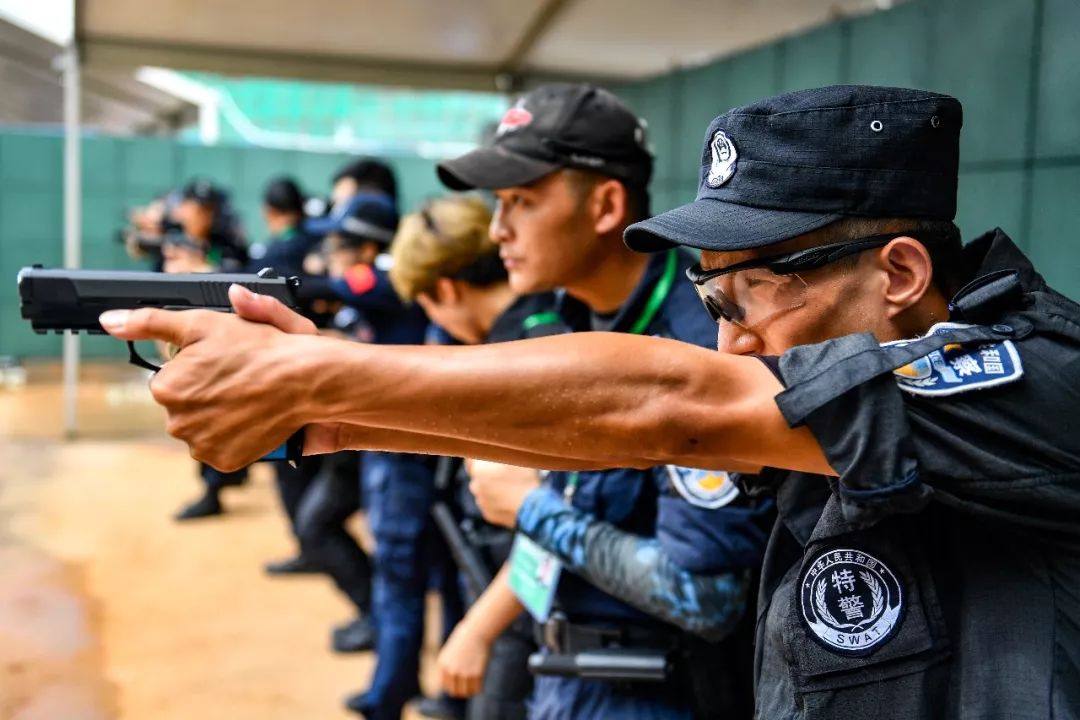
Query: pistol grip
291,452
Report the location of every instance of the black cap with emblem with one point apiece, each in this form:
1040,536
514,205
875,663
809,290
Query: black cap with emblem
556,126
790,164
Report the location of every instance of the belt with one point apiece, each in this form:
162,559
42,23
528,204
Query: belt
559,635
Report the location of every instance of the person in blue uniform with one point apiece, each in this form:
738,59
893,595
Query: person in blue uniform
284,253
398,488
559,223
445,262
289,242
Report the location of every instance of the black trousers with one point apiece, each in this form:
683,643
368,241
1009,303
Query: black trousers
329,499
215,480
292,483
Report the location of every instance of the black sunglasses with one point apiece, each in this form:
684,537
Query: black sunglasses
799,261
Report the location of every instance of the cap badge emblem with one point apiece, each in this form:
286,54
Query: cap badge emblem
724,160
515,118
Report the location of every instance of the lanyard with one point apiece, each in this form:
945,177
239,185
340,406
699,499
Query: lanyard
652,306
659,294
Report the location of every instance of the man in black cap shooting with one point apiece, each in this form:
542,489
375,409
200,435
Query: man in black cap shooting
921,443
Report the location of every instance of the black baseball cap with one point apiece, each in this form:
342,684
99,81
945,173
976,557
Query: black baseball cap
560,125
791,164
283,194
364,216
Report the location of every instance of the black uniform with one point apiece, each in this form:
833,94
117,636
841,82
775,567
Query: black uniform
938,574
964,490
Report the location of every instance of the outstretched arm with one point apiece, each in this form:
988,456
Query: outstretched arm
238,388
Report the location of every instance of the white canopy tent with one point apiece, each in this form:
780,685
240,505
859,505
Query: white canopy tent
489,45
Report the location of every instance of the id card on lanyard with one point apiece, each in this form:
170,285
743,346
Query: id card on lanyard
535,572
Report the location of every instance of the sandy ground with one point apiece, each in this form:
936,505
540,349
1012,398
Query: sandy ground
109,609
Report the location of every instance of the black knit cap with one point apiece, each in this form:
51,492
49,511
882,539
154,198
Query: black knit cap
791,164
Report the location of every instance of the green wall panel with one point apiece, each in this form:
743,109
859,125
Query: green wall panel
814,59
16,337
990,199
705,95
752,76
982,54
890,48
1054,240
30,162
148,165
1058,129
209,162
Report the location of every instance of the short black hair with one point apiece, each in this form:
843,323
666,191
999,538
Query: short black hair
370,174
283,194
637,196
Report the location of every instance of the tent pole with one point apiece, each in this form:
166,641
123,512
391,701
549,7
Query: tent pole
72,223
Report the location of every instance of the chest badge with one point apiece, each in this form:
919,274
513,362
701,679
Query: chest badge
851,602
958,368
708,489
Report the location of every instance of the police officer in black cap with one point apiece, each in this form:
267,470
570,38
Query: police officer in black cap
289,243
912,405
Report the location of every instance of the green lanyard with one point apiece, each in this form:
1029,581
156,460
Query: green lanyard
659,294
652,306
541,318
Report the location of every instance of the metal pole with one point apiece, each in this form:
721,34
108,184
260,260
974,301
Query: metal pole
72,224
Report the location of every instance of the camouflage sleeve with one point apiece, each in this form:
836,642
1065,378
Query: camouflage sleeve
634,569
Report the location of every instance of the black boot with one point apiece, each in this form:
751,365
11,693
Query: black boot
355,636
442,707
298,565
206,506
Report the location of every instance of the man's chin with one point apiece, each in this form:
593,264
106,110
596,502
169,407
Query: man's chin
524,284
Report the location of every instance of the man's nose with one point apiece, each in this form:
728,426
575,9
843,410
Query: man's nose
498,231
734,340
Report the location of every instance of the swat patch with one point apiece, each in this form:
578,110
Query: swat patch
724,160
850,602
708,489
958,368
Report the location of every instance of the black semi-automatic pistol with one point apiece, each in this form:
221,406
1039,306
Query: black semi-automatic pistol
59,300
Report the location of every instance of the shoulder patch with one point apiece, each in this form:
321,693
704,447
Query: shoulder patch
850,601
958,368
708,489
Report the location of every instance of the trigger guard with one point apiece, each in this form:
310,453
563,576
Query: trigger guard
138,360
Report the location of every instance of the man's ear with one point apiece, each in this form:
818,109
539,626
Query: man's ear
609,206
446,291
909,273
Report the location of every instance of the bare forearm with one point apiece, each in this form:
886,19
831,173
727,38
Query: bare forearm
613,400
357,437
496,609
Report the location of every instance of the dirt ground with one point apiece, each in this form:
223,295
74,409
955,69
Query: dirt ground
109,609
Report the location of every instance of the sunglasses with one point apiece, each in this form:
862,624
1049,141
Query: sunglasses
751,292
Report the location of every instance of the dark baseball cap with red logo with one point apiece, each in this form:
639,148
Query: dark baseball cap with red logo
556,126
